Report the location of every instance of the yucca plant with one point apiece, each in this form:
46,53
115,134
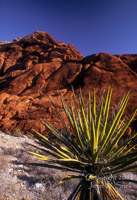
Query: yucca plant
91,147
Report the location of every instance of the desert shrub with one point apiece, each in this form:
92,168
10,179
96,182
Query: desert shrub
93,153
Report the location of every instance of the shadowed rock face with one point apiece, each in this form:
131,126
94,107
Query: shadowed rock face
37,66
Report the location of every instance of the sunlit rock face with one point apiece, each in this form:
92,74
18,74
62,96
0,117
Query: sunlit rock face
35,67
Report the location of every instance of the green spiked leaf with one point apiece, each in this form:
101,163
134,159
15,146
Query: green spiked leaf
93,150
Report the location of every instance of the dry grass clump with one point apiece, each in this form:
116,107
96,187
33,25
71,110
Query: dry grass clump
20,182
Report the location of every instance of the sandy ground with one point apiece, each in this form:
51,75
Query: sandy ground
20,182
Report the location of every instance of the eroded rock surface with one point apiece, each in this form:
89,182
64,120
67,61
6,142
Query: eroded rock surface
37,66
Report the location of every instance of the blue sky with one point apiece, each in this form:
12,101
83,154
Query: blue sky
93,26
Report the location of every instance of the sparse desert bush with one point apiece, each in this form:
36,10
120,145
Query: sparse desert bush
91,149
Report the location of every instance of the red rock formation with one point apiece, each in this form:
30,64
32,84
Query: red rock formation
36,67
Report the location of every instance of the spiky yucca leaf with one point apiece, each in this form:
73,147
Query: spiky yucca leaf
93,151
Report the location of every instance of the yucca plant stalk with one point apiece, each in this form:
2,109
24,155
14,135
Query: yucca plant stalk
91,147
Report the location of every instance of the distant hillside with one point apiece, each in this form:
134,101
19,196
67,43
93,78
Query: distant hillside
36,66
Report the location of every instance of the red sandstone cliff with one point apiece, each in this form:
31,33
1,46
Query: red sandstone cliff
37,66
